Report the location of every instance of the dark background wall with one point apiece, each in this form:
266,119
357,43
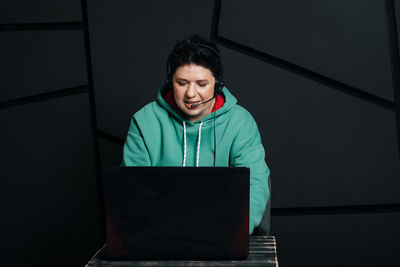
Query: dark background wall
50,213
321,79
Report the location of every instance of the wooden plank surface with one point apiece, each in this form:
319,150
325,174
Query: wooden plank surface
262,252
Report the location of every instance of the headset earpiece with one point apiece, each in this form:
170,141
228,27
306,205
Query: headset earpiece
219,85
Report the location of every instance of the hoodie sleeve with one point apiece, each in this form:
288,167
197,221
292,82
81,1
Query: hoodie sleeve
135,152
248,151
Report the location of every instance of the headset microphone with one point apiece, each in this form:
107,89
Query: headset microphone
200,103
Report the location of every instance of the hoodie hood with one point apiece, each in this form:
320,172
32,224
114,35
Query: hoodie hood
230,102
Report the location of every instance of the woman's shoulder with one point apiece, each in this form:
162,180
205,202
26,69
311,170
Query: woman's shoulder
147,118
149,112
241,115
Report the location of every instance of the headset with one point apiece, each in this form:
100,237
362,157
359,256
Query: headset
219,84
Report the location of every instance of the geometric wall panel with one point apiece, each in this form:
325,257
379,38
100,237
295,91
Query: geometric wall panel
26,11
110,154
337,240
397,14
343,40
49,200
35,62
324,147
130,43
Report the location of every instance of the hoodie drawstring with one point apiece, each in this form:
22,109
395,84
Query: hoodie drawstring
198,145
184,143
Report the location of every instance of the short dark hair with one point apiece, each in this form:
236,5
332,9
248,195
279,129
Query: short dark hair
195,50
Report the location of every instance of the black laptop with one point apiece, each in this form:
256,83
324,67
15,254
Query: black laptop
176,213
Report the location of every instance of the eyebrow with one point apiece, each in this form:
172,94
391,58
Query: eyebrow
181,79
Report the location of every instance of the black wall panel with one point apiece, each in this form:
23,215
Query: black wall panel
343,40
110,154
49,203
397,12
130,42
36,62
337,240
324,147
27,11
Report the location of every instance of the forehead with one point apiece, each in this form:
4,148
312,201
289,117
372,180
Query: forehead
193,71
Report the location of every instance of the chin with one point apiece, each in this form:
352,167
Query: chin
191,115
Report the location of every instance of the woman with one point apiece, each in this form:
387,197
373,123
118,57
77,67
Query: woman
195,121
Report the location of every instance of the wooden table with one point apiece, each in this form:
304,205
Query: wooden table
262,252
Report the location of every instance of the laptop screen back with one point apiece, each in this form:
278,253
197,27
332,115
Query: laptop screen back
177,212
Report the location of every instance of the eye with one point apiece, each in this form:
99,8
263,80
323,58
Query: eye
181,83
202,84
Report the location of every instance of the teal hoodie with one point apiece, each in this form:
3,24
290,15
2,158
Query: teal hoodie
160,136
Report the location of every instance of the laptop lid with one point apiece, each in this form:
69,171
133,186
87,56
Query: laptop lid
176,212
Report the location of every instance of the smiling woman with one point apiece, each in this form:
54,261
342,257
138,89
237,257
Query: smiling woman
193,88
196,122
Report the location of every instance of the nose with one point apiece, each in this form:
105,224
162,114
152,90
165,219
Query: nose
191,90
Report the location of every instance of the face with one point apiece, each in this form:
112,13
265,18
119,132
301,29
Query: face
193,84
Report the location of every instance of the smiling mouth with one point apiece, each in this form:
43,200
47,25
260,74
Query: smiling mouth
189,104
